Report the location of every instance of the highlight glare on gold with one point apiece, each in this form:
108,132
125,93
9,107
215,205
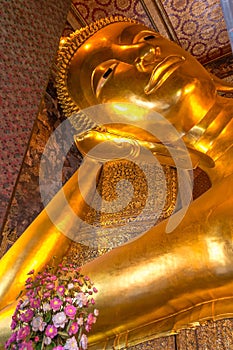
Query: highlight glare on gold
87,47
216,251
131,112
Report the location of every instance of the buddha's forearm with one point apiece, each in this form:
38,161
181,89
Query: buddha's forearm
38,244
160,275
49,235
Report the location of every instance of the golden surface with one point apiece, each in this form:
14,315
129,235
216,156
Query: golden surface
159,282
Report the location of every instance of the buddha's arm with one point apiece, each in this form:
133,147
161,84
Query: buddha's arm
159,276
44,238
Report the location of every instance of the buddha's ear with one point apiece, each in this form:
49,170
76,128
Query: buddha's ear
221,85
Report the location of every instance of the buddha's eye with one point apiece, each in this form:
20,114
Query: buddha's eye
145,36
108,72
101,75
149,37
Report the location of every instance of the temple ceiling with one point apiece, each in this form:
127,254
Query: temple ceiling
198,26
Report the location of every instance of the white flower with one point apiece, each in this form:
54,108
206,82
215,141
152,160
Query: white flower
71,344
59,319
70,286
83,341
46,307
38,324
81,299
25,303
47,340
80,321
96,312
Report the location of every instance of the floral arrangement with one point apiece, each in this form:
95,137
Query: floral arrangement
56,313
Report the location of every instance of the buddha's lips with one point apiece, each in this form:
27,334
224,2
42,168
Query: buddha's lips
162,72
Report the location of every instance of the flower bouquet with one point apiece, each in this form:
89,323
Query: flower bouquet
56,313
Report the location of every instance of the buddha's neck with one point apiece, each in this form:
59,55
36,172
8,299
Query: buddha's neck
213,134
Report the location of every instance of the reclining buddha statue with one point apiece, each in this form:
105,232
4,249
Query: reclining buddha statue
158,282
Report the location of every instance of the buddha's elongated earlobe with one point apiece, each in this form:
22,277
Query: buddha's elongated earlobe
221,85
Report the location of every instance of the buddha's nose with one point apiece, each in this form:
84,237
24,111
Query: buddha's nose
143,55
147,58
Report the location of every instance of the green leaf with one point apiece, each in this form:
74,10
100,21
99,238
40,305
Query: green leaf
63,334
38,346
50,346
48,317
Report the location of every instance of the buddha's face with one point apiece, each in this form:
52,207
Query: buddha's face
125,62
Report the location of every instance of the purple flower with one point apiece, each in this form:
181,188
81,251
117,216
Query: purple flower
53,278
38,289
59,319
50,285
73,328
38,324
60,290
35,303
13,324
23,333
91,319
30,294
55,304
83,342
27,315
11,340
70,311
59,347
29,286
51,331
18,306
26,346
71,344
29,280
88,327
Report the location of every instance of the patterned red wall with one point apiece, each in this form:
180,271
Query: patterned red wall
30,32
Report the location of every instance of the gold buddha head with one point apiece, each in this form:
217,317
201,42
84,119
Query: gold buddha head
119,60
